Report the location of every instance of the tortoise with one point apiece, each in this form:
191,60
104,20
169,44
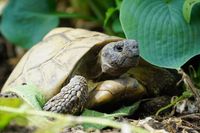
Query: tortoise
77,68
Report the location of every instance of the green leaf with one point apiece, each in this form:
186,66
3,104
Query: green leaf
123,111
118,3
93,113
11,102
99,8
165,39
6,117
25,22
109,13
187,8
116,26
30,94
128,110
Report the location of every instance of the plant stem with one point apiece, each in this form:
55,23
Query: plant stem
96,10
169,105
189,85
73,120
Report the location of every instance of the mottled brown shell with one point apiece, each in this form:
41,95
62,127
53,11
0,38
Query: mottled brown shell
50,62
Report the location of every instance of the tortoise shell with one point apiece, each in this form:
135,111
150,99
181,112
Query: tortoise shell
50,63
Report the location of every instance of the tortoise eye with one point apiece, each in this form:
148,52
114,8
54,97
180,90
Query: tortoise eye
118,48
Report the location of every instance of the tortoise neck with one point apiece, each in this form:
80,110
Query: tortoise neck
95,70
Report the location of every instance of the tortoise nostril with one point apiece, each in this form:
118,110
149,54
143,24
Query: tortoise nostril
135,46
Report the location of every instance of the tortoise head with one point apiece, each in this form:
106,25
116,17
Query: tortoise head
117,57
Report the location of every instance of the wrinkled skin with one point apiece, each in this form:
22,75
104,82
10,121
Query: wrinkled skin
117,57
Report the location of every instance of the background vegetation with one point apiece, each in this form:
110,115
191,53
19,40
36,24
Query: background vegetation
169,29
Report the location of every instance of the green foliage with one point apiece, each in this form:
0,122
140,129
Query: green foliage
111,21
33,97
40,120
28,118
6,117
25,22
99,7
187,8
111,11
128,110
93,113
158,25
30,94
164,36
123,111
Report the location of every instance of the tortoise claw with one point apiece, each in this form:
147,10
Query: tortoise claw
71,99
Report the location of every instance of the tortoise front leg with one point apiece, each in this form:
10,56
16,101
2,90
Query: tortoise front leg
71,99
111,91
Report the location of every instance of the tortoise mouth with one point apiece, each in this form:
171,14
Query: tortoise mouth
121,67
136,56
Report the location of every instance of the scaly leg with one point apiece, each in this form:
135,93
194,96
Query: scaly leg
71,99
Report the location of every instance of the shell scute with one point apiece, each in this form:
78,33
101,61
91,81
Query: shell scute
49,63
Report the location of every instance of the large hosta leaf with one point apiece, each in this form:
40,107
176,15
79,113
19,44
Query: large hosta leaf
165,38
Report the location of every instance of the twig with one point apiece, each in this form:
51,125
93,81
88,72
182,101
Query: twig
189,84
191,126
191,116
